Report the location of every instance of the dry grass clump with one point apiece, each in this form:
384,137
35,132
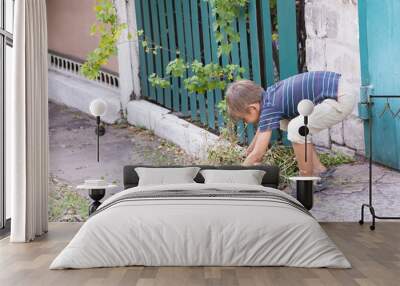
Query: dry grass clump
227,152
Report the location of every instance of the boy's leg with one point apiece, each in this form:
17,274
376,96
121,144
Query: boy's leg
325,115
318,167
313,166
305,168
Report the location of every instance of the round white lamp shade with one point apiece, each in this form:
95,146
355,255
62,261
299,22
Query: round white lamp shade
305,107
98,107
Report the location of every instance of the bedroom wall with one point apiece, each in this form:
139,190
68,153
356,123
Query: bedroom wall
331,44
69,22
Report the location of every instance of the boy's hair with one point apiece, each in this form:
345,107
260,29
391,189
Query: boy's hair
240,94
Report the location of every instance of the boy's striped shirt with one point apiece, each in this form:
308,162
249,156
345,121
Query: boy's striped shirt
280,100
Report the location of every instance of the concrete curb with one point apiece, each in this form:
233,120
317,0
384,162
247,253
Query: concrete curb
78,93
191,138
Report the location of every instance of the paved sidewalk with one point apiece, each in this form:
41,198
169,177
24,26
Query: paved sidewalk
348,190
73,148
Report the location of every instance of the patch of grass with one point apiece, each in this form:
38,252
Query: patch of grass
77,115
225,154
335,159
283,157
166,153
121,123
66,204
279,155
143,129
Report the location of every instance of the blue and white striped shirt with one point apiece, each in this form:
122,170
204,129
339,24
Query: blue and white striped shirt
280,100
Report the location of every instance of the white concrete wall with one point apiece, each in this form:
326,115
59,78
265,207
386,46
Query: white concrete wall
128,56
332,44
191,138
77,92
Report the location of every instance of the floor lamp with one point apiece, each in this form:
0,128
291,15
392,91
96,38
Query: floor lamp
98,108
304,185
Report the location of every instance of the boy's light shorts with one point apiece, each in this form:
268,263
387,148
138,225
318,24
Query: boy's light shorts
325,115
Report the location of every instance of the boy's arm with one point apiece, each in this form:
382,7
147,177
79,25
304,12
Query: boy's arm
250,148
260,147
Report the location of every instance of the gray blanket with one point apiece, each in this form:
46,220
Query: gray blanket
198,225
206,193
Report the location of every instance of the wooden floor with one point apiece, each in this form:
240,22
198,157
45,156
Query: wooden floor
375,257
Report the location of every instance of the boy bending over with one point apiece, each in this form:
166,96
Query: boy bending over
276,107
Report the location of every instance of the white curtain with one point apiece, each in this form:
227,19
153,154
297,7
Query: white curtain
27,123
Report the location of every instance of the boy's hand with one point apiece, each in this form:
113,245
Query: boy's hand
252,144
249,150
260,147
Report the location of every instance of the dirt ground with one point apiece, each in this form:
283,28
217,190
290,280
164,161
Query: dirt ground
73,159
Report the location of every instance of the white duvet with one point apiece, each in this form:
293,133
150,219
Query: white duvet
190,231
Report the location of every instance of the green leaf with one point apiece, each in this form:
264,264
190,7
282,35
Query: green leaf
93,29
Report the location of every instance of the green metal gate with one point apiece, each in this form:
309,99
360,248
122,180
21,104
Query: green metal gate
380,71
187,26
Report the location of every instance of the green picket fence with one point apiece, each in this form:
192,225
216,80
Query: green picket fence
187,26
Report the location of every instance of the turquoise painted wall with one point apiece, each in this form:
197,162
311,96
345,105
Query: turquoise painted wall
380,69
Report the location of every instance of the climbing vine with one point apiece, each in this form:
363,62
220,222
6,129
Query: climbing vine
204,77
109,30
225,13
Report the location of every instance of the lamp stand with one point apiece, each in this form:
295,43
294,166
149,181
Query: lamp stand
303,131
100,131
304,190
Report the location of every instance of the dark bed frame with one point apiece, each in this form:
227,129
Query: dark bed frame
270,179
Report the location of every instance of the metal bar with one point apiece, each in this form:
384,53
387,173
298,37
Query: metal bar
254,46
287,38
387,217
244,57
363,42
189,53
215,59
207,59
236,61
157,42
255,55
182,54
197,55
384,96
370,159
267,40
172,49
165,54
98,137
149,55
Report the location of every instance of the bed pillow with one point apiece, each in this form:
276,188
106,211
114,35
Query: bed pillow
248,177
166,176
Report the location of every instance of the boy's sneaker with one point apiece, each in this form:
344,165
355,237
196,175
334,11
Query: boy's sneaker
328,173
320,185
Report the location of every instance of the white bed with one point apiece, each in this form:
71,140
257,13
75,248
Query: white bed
259,226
